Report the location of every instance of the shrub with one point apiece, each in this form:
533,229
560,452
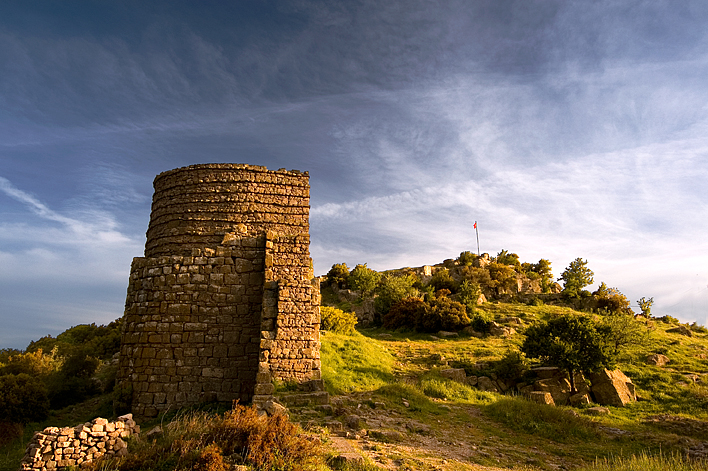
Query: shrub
506,258
469,293
612,300
466,258
405,313
444,314
23,399
620,331
645,306
512,365
442,279
481,321
338,274
363,279
34,363
201,441
392,289
503,277
336,320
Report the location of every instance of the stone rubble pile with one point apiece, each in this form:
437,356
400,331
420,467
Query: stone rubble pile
56,447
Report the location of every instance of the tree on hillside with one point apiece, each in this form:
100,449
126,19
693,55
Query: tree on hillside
576,277
570,342
611,300
338,274
392,289
645,305
364,279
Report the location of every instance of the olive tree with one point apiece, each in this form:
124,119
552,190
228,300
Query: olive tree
570,342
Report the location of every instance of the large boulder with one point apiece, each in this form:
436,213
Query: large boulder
612,388
559,389
455,374
541,397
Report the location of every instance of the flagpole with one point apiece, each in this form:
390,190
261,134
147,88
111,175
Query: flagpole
477,232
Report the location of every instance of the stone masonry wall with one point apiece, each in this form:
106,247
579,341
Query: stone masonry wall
223,301
56,447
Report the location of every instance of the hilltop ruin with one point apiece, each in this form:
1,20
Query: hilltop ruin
223,301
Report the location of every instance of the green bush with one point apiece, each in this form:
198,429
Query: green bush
512,365
466,258
23,399
468,293
442,279
612,300
569,341
336,320
392,289
363,279
338,274
503,277
506,258
444,314
405,313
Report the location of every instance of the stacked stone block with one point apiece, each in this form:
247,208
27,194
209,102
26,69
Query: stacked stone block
223,301
56,447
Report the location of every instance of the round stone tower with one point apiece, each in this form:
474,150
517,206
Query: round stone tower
223,301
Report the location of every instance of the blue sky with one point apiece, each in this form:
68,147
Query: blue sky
565,128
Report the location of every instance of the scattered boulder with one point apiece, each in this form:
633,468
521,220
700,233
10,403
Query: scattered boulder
273,408
455,374
558,388
612,388
486,384
500,330
579,399
657,359
541,397
597,410
681,330
471,332
445,334
353,422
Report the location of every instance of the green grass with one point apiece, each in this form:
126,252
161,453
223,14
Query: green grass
554,423
644,462
352,363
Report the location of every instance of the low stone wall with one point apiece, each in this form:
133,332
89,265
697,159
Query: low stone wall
56,447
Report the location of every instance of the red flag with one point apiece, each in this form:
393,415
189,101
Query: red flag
475,224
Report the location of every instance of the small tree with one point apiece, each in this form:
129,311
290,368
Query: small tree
466,258
469,293
611,299
576,277
442,280
620,330
338,274
571,342
392,289
364,279
645,305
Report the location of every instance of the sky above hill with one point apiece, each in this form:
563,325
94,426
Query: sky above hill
565,128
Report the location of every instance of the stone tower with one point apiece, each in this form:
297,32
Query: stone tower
223,301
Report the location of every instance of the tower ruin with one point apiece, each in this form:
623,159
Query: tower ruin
224,301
